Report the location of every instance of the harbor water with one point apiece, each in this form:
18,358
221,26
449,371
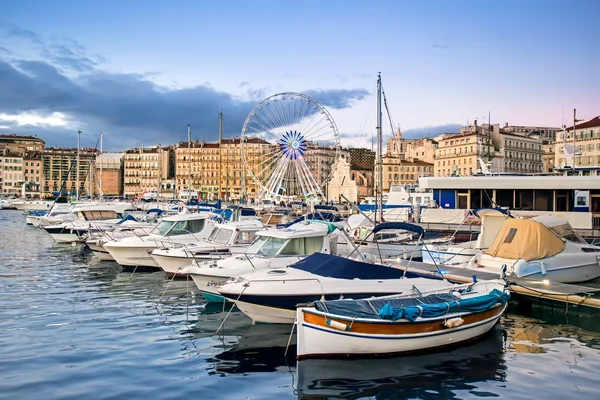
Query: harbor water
75,328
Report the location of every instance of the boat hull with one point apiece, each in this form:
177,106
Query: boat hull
316,338
138,256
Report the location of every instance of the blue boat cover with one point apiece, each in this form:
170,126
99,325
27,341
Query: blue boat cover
473,304
405,226
127,217
154,210
331,266
368,308
248,212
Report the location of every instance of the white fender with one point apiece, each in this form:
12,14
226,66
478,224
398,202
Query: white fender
474,261
453,322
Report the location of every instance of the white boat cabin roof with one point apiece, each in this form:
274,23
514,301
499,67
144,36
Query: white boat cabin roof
187,217
300,229
244,225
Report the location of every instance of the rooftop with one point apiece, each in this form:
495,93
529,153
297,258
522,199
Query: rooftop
592,123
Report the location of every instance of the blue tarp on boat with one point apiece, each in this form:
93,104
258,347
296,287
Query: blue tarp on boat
331,266
473,304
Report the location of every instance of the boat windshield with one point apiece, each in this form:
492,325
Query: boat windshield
567,232
266,246
302,246
220,236
162,228
186,227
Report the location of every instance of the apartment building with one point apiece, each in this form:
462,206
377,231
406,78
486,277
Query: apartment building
12,173
545,133
18,144
145,169
585,139
59,166
457,153
32,174
397,171
109,174
421,150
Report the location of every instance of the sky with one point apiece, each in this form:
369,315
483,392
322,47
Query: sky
140,71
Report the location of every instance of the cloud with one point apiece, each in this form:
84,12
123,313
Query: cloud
440,46
430,131
337,98
22,33
130,104
61,89
5,51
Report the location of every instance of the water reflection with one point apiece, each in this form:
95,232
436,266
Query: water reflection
438,375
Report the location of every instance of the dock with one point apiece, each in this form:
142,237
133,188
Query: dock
580,295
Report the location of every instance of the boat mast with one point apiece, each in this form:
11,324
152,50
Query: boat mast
189,162
220,141
77,174
379,195
100,179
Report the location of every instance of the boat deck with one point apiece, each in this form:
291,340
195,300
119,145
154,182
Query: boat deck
582,294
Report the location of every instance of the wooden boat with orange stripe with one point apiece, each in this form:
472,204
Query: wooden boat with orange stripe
406,323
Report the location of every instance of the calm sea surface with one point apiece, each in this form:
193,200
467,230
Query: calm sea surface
74,328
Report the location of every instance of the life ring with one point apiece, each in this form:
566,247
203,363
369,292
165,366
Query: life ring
474,261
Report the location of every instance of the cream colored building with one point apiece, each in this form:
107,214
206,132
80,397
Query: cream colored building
396,171
457,153
548,157
351,181
32,174
145,169
421,150
12,173
219,171
587,145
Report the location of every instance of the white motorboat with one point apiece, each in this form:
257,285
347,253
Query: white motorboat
543,247
95,240
225,240
492,220
272,248
178,229
27,205
395,240
102,214
271,295
55,215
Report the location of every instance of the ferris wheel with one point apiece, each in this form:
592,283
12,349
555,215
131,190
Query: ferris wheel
304,145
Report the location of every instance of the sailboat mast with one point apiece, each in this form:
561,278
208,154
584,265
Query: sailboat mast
220,141
379,197
77,173
189,162
101,160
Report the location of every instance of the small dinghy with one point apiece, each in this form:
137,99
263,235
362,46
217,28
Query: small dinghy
405,323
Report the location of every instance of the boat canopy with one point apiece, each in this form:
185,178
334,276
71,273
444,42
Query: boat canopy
405,226
526,239
331,266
